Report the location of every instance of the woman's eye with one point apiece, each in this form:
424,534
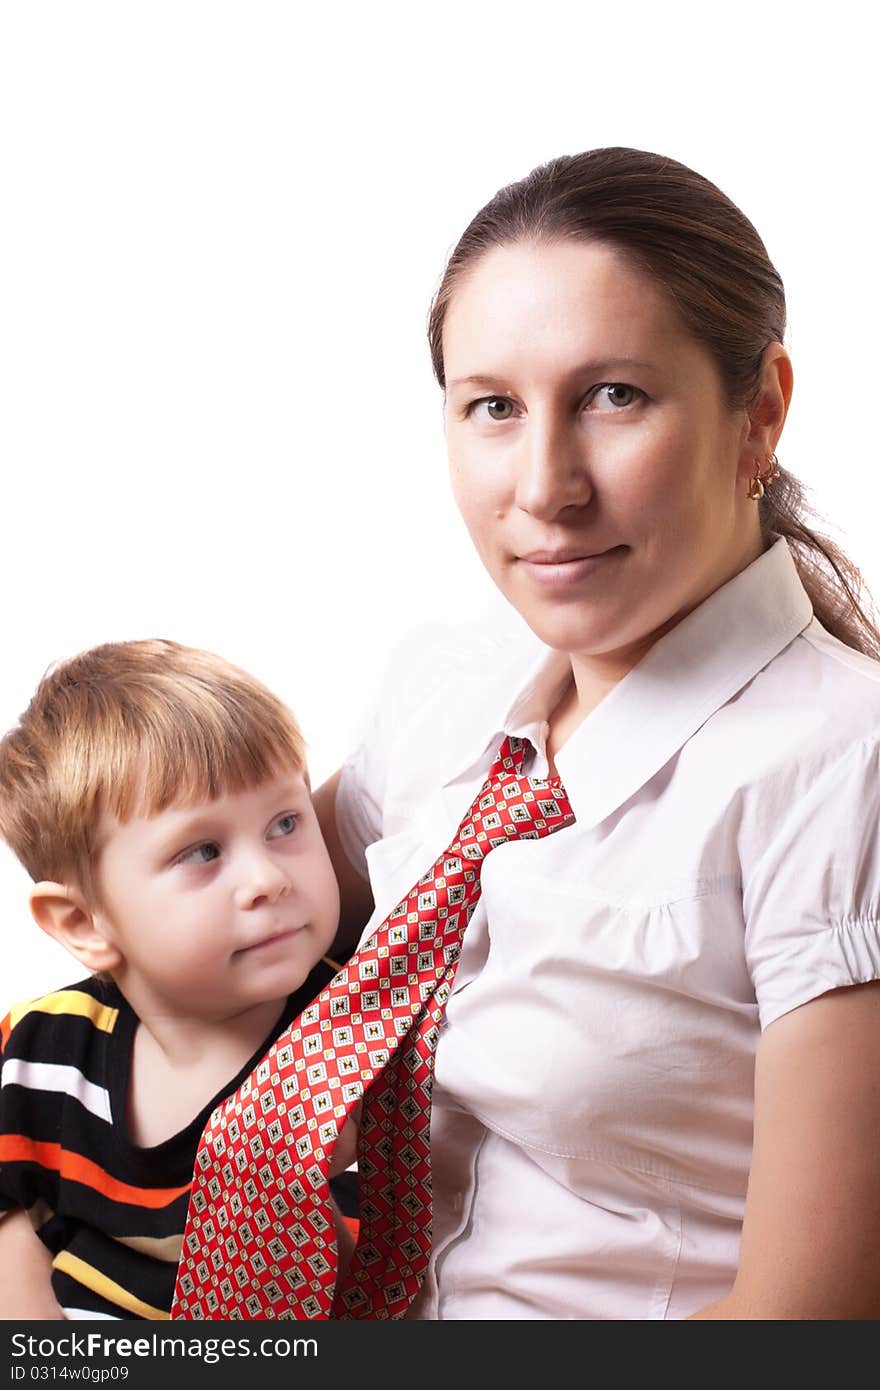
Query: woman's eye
284,825
609,396
201,854
497,407
616,394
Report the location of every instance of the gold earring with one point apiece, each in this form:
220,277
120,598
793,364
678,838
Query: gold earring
763,477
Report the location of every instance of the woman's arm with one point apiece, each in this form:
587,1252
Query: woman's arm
811,1232
26,1288
354,891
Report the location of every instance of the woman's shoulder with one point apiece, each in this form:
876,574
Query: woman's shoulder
806,732
453,670
473,645
853,670
834,685
446,689
807,724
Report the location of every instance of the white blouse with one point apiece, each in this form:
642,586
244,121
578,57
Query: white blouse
592,1118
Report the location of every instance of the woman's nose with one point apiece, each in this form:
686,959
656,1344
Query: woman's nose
552,471
262,881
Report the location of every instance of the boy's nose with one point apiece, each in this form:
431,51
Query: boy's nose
263,882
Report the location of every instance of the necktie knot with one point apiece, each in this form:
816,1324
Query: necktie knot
511,806
510,758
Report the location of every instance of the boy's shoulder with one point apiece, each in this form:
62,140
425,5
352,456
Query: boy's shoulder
95,1002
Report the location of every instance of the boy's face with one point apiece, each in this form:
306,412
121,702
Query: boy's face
220,906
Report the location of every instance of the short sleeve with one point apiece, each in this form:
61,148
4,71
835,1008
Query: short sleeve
812,900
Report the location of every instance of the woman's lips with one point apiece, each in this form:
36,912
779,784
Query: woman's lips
561,569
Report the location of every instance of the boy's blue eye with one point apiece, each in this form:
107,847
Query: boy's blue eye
204,853
284,825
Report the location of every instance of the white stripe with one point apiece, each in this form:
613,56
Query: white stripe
52,1076
86,1315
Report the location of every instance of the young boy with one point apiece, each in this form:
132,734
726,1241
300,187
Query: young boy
159,798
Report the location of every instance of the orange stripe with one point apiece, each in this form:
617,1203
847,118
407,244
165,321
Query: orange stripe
5,1030
17,1148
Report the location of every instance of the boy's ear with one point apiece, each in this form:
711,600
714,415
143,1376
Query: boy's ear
62,913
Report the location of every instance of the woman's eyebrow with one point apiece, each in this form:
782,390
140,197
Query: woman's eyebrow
603,364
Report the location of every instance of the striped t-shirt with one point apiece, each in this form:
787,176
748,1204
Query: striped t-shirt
112,1213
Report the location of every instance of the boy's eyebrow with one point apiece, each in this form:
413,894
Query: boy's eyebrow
209,812
189,823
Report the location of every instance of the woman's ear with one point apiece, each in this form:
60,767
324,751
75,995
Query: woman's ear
63,914
767,414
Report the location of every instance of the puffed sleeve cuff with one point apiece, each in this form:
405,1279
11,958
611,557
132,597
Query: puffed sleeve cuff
812,901
847,953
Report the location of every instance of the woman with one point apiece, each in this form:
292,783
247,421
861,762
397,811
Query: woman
656,1090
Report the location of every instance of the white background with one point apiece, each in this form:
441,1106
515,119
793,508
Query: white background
221,228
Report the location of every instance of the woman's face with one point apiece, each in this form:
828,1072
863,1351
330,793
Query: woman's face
601,475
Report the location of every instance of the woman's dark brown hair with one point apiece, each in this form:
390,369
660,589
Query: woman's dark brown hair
685,233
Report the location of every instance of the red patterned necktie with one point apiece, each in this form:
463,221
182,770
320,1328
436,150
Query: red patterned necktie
260,1238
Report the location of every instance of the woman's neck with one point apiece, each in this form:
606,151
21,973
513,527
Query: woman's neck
595,674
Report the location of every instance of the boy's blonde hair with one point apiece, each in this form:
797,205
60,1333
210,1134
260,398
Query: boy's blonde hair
130,728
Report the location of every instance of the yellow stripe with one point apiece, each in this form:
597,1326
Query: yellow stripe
93,1279
334,964
68,1001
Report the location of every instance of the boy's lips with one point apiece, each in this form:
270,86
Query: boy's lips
282,934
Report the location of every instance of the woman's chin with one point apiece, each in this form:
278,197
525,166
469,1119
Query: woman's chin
589,629
575,639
